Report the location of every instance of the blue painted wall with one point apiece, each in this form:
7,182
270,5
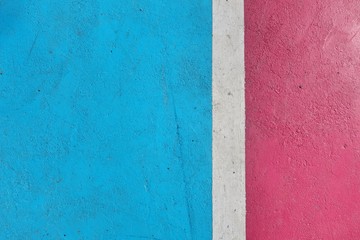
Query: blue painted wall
105,119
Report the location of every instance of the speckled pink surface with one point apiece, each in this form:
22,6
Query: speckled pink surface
303,119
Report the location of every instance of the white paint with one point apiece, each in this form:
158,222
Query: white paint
228,121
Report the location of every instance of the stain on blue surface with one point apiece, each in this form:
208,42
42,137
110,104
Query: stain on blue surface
105,119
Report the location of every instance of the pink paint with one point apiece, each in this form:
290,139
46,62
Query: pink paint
303,119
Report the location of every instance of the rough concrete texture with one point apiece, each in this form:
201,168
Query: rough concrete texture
105,120
228,121
303,119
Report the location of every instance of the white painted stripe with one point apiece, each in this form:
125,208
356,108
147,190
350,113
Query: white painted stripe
228,120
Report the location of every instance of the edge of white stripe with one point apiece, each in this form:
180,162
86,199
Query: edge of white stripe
229,210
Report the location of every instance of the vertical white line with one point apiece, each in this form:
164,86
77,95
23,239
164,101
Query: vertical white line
228,121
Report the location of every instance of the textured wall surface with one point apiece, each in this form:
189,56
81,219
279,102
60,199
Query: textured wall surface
303,119
105,119
228,121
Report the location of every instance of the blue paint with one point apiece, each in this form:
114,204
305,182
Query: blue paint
105,119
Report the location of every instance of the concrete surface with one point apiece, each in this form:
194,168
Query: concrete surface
302,119
105,119
228,121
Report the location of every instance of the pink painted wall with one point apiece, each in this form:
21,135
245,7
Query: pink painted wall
303,119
